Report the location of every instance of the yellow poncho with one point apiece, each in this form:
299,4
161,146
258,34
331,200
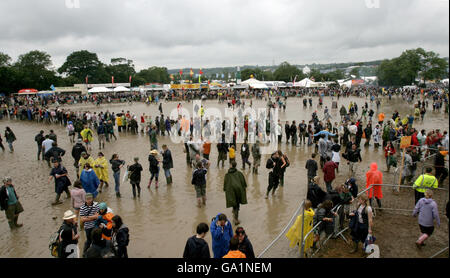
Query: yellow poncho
83,161
295,232
119,121
102,173
87,134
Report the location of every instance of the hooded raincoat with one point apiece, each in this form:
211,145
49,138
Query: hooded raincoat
295,232
102,173
220,238
374,176
89,181
235,187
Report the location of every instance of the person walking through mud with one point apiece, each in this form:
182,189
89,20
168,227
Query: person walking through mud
116,165
153,168
62,182
9,202
235,188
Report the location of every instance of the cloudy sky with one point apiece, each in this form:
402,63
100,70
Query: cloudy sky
210,33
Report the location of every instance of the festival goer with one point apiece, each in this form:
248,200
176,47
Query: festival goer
120,237
101,170
167,163
256,154
361,223
295,232
199,182
134,171
153,168
234,252
196,246
374,177
62,182
245,154
312,167
235,188
89,180
424,182
116,165
78,195
39,138
329,173
88,216
427,210
221,233
9,202
68,247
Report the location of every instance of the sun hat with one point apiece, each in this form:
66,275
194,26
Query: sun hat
69,215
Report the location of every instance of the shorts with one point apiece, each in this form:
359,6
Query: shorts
13,210
222,156
256,162
200,190
426,230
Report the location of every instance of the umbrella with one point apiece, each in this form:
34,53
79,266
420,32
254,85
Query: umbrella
28,91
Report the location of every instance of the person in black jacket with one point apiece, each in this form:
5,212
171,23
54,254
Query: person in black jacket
275,163
196,247
76,153
167,163
39,139
312,167
353,156
153,167
120,237
245,246
199,182
222,148
9,202
135,176
100,248
315,194
245,154
54,153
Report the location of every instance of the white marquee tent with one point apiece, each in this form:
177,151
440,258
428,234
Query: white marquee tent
100,90
121,89
306,82
255,84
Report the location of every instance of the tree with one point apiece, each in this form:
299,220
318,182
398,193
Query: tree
121,69
286,72
83,63
5,60
154,74
355,72
34,70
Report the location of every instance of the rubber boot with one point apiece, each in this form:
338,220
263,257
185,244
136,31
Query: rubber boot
11,225
237,222
355,248
18,225
204,200
57,201
171,179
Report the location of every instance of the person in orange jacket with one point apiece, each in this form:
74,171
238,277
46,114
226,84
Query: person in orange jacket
234,252
104,221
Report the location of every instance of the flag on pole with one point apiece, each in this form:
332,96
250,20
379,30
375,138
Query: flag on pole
130,79
181,72
191,73
112,79
200,72
86,79
52,87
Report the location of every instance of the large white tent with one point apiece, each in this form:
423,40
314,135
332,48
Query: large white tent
254,83
100,90
121,89
306,82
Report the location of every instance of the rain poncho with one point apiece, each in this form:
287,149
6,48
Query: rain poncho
102,173
89,181
374,176
295,232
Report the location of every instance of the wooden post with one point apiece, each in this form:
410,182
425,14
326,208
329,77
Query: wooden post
401,169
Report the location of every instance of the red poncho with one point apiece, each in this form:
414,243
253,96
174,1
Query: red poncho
374,176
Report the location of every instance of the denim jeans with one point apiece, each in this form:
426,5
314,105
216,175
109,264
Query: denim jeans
88,241
117,181
167,173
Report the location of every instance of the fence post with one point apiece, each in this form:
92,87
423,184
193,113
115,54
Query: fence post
303,224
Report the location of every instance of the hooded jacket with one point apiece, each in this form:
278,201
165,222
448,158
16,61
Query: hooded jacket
89,181
77,150
428,211
235,186
374,176
196,248
220,238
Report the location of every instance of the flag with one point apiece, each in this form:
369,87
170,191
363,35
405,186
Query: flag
112,79
86,79
191,73
130,78
181,72
52,87
200,72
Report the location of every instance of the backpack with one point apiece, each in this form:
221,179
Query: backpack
55,243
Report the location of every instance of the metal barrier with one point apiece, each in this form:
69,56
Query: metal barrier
301,207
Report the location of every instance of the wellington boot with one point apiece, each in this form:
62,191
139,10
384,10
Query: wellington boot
355,248
18,225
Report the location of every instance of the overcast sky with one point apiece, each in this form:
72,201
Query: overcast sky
210,33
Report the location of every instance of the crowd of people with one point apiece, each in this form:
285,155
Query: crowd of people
107,236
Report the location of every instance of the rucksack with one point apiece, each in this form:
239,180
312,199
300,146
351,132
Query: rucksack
55,243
